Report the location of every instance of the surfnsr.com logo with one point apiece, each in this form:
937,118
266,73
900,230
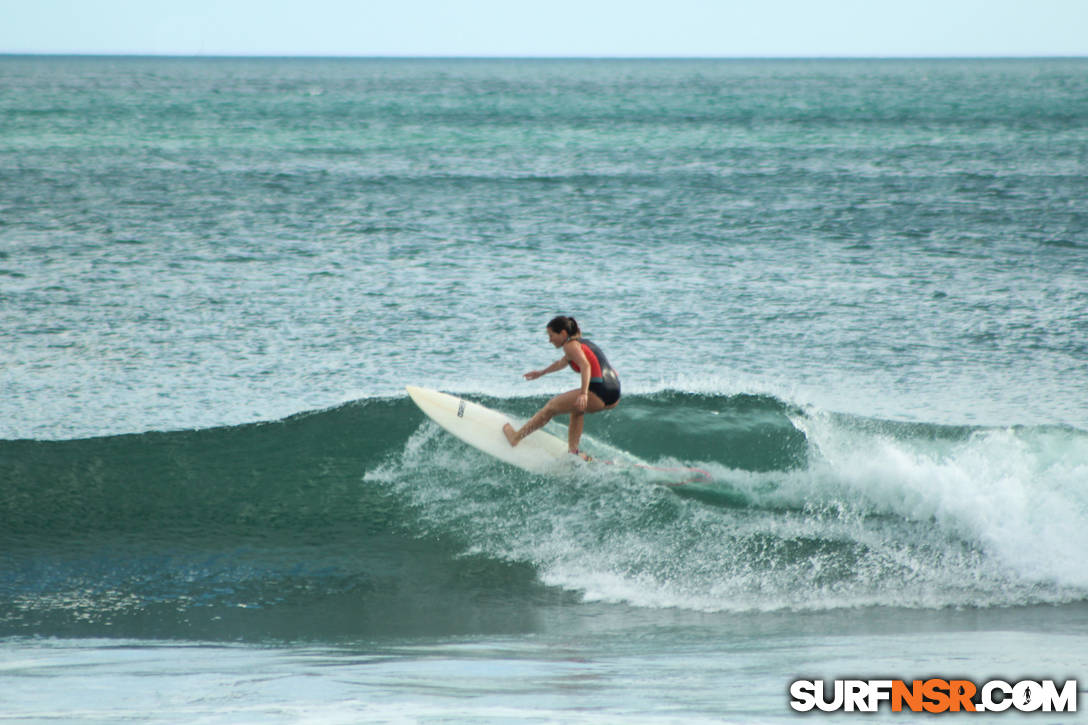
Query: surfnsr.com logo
934,695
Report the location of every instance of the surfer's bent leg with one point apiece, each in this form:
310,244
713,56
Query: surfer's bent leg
574,430
536,422
562,403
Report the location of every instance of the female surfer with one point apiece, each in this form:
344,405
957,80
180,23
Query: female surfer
600,389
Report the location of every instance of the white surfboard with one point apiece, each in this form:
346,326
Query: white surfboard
481,428
539,452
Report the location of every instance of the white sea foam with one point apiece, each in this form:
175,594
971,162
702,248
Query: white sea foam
994,517
1016,493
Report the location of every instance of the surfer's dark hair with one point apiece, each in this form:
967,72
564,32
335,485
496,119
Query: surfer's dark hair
564,323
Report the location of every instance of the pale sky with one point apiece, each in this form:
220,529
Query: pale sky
532,28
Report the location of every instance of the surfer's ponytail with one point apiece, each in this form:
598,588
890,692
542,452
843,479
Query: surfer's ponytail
567,324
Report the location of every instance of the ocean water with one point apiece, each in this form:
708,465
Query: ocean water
855,292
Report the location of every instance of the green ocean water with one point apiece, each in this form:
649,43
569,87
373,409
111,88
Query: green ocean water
855,292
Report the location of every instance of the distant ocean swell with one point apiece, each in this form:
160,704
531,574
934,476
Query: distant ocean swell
367,519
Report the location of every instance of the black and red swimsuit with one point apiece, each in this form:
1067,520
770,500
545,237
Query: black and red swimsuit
603,379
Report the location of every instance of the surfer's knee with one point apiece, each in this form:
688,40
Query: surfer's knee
551,409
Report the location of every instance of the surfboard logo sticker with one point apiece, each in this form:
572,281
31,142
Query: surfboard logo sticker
460,409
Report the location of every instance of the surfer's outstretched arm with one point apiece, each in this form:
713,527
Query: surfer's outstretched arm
553,368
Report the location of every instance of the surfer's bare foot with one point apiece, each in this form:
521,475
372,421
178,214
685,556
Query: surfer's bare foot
511,434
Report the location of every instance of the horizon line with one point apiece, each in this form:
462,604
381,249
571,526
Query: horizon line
334,56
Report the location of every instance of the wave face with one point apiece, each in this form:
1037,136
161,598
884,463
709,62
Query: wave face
367,519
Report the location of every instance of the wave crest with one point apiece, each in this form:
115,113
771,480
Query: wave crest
807,509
